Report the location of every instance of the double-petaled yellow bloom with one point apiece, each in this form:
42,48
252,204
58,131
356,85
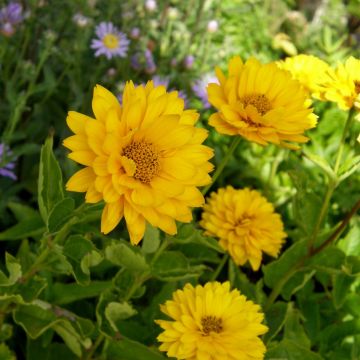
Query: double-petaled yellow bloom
245,223
261,103
342,84
309,70
145,158
212,322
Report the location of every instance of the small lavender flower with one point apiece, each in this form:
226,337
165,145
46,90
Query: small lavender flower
150,5
212,26
10,16
135,61
189,61
199,88
81,20
161,80
111,42
6,167
135,33
150,66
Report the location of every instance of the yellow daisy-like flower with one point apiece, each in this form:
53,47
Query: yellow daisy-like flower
342,85
261,103
245,223
212,323
309,70
145,158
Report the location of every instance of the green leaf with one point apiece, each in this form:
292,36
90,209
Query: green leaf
50,184
350,243
126,349
115,312
30,227
68,293
322,164
60,214
296,283
291,350
14,269
22,211
349,167
81,254
173,265
275,319
293,328
151,240
274,271
6,353
123,254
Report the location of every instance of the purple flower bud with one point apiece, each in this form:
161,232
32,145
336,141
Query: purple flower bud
135,33
189,61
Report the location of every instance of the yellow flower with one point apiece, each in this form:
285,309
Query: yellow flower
212,323
245,223
343,84
261,103
309,70
145,158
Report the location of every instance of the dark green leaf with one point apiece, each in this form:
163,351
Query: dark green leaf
275,319
291,350
30,227
116,312
60,214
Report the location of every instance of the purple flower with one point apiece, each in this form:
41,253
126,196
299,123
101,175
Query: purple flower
135,33
199,88
189,61
10,16
150,66
161,80
111,42
6,167
135,61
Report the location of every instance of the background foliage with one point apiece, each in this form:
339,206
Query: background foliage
66,290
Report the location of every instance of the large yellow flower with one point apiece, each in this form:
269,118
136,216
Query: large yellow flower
212,323
245,223
145,158
309,70
343,84
261,103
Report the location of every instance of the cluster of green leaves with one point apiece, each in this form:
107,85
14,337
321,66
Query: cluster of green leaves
66,290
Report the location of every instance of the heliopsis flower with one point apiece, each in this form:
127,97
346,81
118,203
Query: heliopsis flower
342,85
111,42
245,223
10,16
145,158
309,70
212,322
199,88
261,103
6,165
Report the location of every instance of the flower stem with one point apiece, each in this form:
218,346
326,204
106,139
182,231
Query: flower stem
343,138
223,163
219,267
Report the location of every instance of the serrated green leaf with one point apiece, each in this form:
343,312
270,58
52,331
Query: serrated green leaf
275,318
125,255
50,183
60,214
291,350
294,329
116,312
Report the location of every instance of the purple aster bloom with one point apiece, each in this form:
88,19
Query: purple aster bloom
135,33
199,88
111,42
161,80
10,16
6,167
135,61
189,61
150,67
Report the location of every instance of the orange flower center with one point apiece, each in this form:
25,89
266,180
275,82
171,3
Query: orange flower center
211,323
110,41
259,101
146,159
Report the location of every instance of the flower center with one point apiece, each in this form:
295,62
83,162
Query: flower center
211,323
146,159
259,101
357,86
110,41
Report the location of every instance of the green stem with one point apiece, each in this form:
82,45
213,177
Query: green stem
343,138
89,355
219,267
223,163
